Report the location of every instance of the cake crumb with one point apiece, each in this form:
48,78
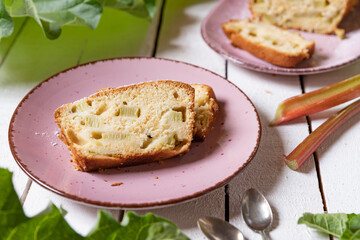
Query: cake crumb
117,184
267,91
156,177
340,33
76,167
105,180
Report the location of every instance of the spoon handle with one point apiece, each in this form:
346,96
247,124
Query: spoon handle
263,235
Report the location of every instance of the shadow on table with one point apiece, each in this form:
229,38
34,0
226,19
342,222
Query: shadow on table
263,173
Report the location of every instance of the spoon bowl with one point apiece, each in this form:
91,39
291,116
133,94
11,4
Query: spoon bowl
217,229
256,211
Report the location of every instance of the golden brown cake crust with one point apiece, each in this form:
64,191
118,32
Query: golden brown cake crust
266,53
89,163
212,109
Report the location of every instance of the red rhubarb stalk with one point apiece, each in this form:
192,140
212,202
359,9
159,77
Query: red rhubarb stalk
318,100
307,147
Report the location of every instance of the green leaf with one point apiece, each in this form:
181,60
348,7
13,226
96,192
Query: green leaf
50,225
165,230
334,224
11,212
140,8
6,22
146,227
51,15
352,231
106,225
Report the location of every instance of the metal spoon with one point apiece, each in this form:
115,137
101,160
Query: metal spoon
217,229
256,211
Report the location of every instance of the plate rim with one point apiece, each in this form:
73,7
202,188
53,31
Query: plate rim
148,205
270,69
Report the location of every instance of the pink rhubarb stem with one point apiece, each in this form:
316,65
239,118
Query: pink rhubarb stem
318,100
307,147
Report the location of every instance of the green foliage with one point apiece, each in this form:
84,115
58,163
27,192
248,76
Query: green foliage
51,15
147,227
50,224
11,212
340,225
352,230
6,23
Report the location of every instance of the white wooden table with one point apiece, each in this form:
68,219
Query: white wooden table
327,182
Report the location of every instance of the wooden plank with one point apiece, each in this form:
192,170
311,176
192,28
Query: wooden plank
338,155
290,193
180,39
180,36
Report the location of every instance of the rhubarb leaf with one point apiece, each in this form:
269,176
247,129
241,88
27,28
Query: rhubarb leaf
11,212
318,100
6,22
105,226
51,15
147,227
51,225
352,230
331,223
165,231
140,8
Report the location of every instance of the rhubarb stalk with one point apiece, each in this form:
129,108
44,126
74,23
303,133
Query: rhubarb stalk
318,100
303,151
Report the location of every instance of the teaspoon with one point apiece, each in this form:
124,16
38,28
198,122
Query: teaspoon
218,229
256,211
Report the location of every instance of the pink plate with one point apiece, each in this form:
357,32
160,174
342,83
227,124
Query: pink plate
209,164
330,51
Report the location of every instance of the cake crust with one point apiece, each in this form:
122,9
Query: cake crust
268,53
206,110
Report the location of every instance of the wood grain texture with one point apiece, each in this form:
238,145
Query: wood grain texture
180,35
290,193
339,155
180,39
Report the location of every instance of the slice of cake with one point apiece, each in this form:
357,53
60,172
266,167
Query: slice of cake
128,125
206,109
270,43
320,16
